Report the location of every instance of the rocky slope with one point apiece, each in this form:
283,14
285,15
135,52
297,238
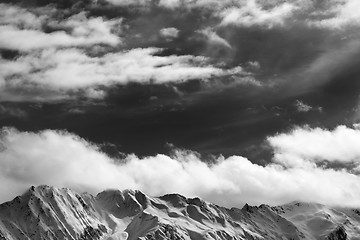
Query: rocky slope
49,213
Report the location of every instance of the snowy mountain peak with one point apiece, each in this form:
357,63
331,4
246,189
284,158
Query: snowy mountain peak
123,203
50,213
175,200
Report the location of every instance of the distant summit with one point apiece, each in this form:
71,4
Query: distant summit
50,213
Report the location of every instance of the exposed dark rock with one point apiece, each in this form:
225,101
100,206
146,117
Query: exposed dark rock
338,234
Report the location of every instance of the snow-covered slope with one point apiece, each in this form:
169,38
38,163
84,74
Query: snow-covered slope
49,213
317,221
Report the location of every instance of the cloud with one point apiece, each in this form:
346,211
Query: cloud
293,51
333,14
78,56
20,17
307,146
169,32
174,4
130,2
11,111
341,13
253,14
73,70
213,38
254,65
28,158
246,13
53,41
25,40
26,32
302,107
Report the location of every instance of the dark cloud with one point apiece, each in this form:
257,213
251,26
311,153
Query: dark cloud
11,111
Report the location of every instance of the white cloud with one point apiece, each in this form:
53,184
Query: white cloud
173,4
302,107
25,40
214,38
72,70
242,12
28,158
305,146
53,67
254,65
341,12
268,13
20,17
130,2
190,4
24,30
169,32
252,14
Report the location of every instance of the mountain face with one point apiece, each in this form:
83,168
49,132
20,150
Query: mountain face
49,213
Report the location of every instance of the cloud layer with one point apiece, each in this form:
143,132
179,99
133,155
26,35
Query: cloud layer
26,30
316,145
73,70
329,14
61,54
28,158
60,58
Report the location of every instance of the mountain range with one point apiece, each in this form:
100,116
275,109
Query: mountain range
50,213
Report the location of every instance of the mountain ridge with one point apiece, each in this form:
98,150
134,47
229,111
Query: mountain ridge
46,212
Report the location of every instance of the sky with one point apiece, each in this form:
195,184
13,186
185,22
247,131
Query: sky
234,101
